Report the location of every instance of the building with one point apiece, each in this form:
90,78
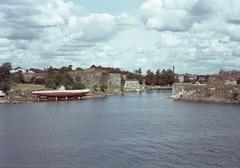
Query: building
38,78
180,78
230,82
203,78
131,84
228,75
2,94
20,70
97,77
91,78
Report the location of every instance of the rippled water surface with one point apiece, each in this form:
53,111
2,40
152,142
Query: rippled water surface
132,131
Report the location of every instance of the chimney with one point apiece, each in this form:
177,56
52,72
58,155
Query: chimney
173,69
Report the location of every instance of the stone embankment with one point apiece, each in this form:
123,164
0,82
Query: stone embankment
215,92
158,87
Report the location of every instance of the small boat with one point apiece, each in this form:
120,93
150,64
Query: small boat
62,93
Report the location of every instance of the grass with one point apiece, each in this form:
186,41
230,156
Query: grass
28,87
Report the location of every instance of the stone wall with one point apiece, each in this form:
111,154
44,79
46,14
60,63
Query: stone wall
91,78
216,92
115,80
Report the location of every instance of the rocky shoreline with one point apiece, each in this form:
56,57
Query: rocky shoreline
204,100
31,99
207,93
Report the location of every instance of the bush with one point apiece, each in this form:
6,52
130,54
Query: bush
235,95
95,88
238,81
103,88
78,85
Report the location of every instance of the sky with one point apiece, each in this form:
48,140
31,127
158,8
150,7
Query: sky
195,36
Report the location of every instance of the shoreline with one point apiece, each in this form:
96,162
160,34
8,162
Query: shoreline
32,99
204,100
220,93
9,101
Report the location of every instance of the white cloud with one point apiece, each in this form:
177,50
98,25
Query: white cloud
54,29
167,15
201,35
184,15
194,35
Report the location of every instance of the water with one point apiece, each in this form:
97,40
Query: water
133,131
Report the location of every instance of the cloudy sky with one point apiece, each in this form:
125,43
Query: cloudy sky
198,36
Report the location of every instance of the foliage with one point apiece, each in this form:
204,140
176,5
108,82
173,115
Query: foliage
17,77
79,69
55,79
107,69
157,78
165,77
186,78
238,81
103,88
138,75
130,76
234,96
95,88
149,79
5,80
66,69
78,85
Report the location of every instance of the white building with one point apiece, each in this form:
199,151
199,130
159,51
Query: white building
131,84
20,70
2,94
180,77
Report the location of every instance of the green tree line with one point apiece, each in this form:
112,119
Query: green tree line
160,78
55,79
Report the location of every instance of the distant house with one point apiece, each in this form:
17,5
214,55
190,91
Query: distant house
18,70
21,70
180,78
38,78
230,82
203,78
131,84
228,75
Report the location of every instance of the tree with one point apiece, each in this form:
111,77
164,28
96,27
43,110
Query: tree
103,88
221,71
5,79
163,77
17,77
70,67
238,81
138,72
157,80
79,69
50,79
131,76
186,79
170,77
138,75
66,80
149,79
77,84
7,66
